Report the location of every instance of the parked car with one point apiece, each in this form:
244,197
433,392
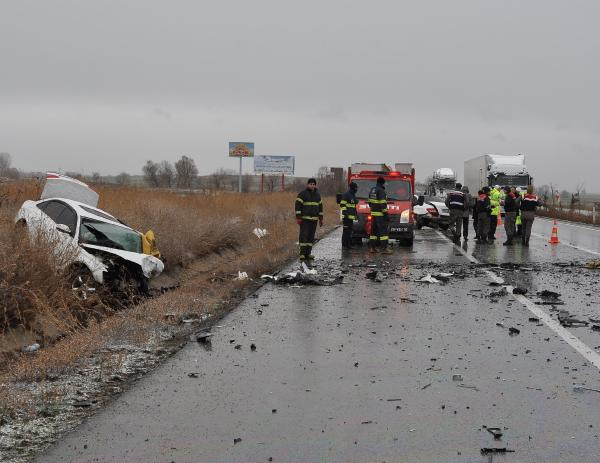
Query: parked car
99,249
431,211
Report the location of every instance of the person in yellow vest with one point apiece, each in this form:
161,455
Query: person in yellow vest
495,198
149,244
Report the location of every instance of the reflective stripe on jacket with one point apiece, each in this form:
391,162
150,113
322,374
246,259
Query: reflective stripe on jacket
378,201
348,205
456,200
309,205
495,197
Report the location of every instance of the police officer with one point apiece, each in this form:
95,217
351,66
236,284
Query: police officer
482,209
348,208
510,215
529,205
456,202
309,211
379,218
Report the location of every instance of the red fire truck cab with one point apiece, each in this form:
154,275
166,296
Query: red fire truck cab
399,186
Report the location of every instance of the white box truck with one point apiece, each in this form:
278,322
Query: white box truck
497,169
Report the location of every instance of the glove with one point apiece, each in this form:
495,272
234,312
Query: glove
299,221
320,222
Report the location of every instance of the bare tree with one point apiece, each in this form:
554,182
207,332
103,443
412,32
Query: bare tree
96,178
544,193
186,172
123,178
271,182
166,174
5,163
219,178
150,171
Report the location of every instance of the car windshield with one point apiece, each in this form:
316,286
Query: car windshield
397,190
109,235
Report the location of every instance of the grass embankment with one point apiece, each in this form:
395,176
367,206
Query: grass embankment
205,240
566,214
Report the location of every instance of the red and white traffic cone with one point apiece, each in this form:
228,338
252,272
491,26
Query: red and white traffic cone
554,235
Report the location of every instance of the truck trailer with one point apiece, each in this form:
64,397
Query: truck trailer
400,187
497,169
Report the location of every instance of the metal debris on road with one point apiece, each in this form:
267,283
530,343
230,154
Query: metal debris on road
488,451
514,331
260,232
519,291
592,265
428,279
457,377
496,432
566,320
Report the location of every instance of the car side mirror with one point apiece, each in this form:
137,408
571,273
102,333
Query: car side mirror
61,227
421,200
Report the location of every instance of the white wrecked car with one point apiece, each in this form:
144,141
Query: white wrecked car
101,250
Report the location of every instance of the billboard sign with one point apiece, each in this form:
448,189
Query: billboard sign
239,149
274,165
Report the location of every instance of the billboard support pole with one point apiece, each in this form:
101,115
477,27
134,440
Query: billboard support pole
262,183
282,182
240,177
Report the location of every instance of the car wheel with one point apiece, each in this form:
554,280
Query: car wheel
83,285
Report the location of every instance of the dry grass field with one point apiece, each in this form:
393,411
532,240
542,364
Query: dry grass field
204,240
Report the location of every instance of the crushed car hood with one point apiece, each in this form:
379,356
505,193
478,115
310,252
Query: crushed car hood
151,266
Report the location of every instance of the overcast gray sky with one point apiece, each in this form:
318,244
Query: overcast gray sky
105,85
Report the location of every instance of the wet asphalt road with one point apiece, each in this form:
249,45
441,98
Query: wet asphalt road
363,371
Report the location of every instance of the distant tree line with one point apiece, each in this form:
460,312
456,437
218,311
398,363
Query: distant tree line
6,169
183,174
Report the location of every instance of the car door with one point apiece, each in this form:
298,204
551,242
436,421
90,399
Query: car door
59,213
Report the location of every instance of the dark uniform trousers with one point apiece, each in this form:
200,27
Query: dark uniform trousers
308,228
347,232
379,232
483,225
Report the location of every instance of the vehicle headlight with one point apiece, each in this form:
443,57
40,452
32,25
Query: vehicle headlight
151,266
405,216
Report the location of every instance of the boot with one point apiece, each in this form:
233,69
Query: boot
372,250
387,250
507,243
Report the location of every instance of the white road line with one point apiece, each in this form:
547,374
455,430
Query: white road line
570,224
586,352
571,245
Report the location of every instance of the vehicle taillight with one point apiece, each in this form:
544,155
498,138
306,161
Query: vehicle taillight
369,218
433,211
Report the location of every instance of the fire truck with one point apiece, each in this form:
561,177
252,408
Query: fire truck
399,186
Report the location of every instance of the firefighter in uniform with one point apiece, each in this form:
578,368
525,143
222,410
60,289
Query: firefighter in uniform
348,208
529,205
456,202
379,218
309,211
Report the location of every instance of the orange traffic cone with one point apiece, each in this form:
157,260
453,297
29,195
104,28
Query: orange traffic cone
554,235
500,219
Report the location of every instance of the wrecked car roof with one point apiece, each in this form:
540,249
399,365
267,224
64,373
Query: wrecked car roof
62,186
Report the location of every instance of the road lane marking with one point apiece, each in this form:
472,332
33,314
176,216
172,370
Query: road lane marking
566,243
569,224
583,349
